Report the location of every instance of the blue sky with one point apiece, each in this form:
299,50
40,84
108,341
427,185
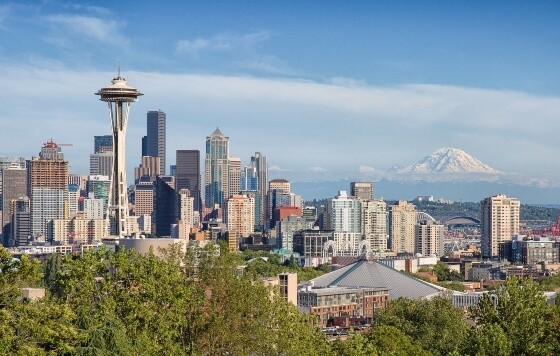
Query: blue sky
324,89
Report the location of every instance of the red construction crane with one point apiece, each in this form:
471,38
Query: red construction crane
51,143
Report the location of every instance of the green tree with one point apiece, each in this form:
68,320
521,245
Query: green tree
434,324
524,316
489,340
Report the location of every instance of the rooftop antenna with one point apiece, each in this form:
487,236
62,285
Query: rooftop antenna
119,69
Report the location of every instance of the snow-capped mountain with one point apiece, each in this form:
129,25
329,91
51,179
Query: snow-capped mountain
448,161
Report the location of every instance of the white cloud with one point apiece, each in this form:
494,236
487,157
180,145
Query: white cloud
316,169
95,28
295,123
366,169
227,41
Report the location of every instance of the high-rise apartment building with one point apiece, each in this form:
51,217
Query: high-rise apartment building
499,222
155,141
255,195
374,223
187,175
362,190
429,238
47,187
216,169
14,187
186,213
234,175
240,215
345,215
402,222
102,143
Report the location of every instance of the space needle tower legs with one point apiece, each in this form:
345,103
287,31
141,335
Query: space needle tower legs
118,97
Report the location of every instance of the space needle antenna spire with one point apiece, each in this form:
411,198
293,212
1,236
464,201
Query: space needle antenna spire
118,97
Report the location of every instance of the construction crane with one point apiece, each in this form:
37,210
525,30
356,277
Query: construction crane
51,143
554,230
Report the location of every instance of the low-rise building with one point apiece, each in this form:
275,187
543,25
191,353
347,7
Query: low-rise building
331,302
522,250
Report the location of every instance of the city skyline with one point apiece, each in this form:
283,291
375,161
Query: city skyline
394,80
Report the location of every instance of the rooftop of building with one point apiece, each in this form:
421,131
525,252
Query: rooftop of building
372,274
335,290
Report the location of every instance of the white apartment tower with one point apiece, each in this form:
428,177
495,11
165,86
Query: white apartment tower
346,222
499,221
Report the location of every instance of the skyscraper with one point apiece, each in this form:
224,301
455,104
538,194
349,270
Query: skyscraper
234,175
166,205
155,141
188,174
429,238
261,166
149,167
249,179
345,218
402,220
240,215
374,223
101,163
14,187
216,169
499,222
47,186
22,221
98,187
102,143
362,190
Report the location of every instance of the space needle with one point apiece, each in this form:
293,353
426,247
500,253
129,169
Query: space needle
118,97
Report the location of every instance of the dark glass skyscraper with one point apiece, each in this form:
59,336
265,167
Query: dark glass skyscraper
187,174
102,143
166,205
155,141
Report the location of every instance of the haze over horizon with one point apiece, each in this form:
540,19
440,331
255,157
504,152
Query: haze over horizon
321,89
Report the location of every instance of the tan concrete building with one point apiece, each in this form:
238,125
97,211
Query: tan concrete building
76,230
362,190
429,238
149,166
280,184
234,175
499,222
144,199
374,224
402,221
240,215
